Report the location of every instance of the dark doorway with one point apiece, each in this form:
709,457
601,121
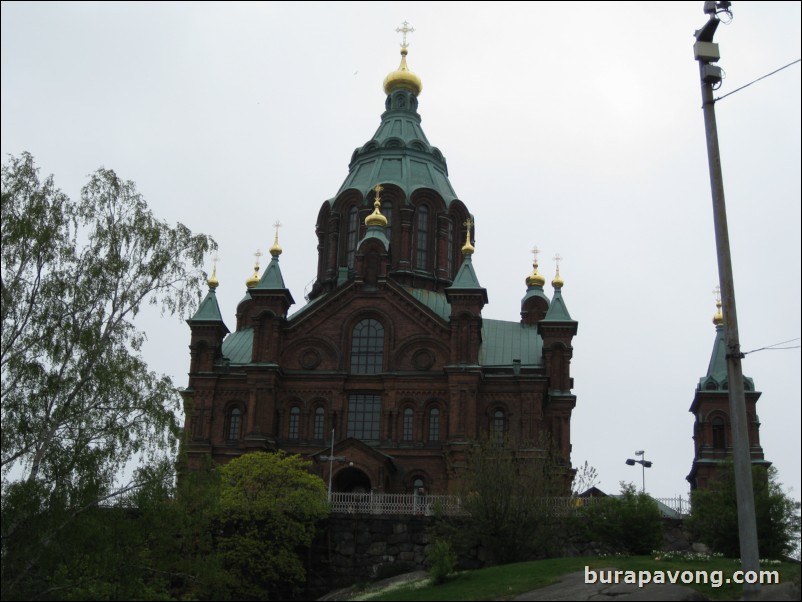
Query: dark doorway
352,480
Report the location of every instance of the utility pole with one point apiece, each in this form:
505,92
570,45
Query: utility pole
706,52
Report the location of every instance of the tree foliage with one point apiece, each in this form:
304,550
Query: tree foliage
714,514
77,399
507,489
268,510
629,523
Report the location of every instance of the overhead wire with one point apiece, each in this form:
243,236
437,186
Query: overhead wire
757,80
775,347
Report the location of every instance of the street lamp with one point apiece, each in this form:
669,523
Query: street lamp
644,463
331,458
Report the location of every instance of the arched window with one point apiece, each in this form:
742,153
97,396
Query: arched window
418,486
367,347
719,441
234,424
498,426
434,424
422,243
295,423
408,416
320,419
350,249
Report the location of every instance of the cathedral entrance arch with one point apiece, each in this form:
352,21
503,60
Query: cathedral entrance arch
352,480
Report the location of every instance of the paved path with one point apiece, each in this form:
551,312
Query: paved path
573,587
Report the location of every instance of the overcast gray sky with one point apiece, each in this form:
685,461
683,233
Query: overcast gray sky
576,127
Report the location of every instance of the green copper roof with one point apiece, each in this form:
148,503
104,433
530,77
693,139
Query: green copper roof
716,377
503,342
535,291
272,278
437,302
209,310
237,346
718,359
399,153
378,233
558,312
466,276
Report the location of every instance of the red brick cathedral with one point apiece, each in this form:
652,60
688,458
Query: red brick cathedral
390,356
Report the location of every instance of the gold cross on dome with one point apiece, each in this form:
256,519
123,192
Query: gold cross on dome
535,251
405,29
557,259
378,190
717,293
258,254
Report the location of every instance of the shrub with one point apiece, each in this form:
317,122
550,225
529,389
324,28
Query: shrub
629,523
442,560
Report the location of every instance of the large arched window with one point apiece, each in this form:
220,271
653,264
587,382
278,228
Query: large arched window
320,420
367,347
719,440
422,241
295,423
234,424
407,426
434,424
353,230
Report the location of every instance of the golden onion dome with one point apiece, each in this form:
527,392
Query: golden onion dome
718,317
535,278
276,250
558,281
213,282
467,248
254,279
376,218
403,78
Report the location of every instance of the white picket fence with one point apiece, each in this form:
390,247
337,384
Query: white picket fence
451,505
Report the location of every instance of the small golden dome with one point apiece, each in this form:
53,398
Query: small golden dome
718,317
467,248
276,250
213,282
254,279
376,218
403,78
558,281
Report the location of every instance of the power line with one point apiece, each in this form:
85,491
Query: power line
757,80
776,347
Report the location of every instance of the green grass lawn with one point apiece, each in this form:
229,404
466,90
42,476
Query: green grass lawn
503,582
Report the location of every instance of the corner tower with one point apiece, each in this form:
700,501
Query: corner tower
712,432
